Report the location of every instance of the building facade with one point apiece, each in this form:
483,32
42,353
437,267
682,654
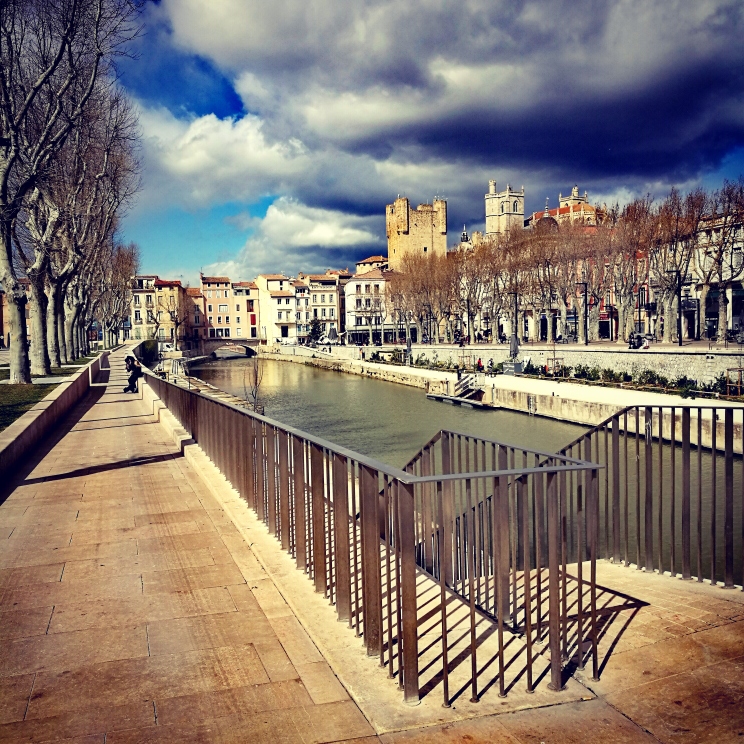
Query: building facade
420,231
504,209
369,316
277,308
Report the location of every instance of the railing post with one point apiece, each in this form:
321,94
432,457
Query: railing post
260,470
447,509
593,539
615,489
371,563
554,605
341,523
284,488
686,571
408,592
271,472
728,525
648,512
298,472
318,517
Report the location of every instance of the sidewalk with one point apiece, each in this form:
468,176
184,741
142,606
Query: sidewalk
133,610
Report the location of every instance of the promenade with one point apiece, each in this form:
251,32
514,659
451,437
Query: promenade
133,609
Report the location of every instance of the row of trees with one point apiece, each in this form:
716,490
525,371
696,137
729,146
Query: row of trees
693,239
68,171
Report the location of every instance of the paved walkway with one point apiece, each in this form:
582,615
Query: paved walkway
133,610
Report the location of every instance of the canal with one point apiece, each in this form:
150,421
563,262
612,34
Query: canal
384,420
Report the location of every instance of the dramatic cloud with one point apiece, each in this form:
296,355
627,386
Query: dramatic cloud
346,103
293,237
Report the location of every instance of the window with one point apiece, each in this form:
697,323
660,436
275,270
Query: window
219,320
298,316
307,316
253,332
307,302
253,320
249,306
287,302
209,308
322,298
137,315
278,300
136,299
211,333
227,332
331,312
366,289
237,320
280,315
359,303
357,321
209,294
315,299
238,331
315,312
148,299
503,207
425,249
377,286
227,319
368,302
219,333
227,294
323,312
210,319
197,320
160,316
161,332
515,207
222,309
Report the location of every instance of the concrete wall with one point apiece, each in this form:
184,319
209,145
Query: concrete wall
26,433
703,366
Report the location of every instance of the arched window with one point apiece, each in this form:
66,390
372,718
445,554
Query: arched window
503,207
516,207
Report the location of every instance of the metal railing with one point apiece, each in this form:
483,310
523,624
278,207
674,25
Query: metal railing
360,529
671,495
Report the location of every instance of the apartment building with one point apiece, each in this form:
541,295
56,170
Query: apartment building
303,313
144,323
195,312
367,312
245,297
277,308
171,319
328,300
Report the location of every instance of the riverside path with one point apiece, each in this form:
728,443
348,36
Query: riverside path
133,609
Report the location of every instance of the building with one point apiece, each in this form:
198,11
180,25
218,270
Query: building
368,313
420,231
328,300
573,208
171,312
504,209
303,313
245,300
373,262
277,309
144,323
195,310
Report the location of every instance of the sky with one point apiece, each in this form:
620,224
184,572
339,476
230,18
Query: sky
273,134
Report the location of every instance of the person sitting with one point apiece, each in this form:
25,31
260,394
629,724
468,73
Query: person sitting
135,372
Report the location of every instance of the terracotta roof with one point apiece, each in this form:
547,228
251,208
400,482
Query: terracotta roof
298,283
194,292
322,278
282,294
215,279
249,285
167,283
373,259
373,274
273,276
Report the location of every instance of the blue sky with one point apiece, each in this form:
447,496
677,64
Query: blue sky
274,134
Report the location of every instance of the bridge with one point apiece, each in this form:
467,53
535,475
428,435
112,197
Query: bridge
241,347
173,568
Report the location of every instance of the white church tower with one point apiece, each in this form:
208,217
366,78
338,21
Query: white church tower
504,209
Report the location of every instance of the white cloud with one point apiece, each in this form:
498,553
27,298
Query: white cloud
293,237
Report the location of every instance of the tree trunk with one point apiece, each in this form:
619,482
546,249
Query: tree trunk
594,322
581,322
722,313
70,332
563,323
64,353
39,352
52,295
20,369
549,316
670,319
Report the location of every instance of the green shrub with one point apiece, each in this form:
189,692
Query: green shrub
609,375
583,372
646,377
717,386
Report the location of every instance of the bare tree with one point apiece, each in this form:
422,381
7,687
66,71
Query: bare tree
252,378
53,52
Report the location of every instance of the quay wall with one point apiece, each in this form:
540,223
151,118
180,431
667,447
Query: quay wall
27,432
701,365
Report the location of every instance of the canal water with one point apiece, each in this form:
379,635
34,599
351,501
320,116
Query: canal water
384,420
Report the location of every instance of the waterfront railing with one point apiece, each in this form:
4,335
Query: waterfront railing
411,557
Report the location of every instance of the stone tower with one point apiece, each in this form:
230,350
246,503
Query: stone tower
421,231
504,209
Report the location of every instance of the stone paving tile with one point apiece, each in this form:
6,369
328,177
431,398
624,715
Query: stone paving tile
22,575
209,631
275,661
25,623
52,653
80,722
321,683
142,608
14,694
187,579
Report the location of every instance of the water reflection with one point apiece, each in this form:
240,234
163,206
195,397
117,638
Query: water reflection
384,420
